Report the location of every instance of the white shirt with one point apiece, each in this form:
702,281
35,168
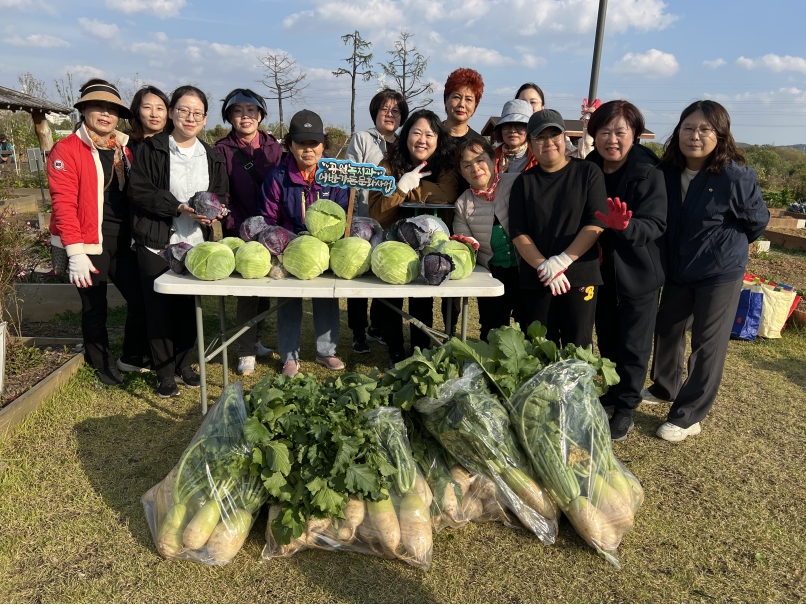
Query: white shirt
189,174
685,180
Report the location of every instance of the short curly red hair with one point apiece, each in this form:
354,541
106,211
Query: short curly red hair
464,77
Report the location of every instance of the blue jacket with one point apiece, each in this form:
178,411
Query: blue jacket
708,234
285,193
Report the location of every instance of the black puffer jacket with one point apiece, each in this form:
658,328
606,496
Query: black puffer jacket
632,257
153,205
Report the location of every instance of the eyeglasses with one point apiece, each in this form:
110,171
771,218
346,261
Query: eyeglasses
705,131
394,111
545,138
186,113
517,126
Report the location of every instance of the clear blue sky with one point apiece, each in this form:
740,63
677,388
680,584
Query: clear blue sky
749,55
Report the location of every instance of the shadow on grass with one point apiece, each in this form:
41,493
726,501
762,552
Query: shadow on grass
791,369
123,456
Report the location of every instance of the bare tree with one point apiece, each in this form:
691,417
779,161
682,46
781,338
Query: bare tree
127,92
284,81
29,85
66,90
360,65
407,68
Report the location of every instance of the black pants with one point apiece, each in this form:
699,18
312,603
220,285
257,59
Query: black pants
568,317
248,308
171,323
118,264
713,309
495,312
391,324
357,315
624,331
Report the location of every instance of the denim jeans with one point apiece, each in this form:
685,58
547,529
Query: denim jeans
325,327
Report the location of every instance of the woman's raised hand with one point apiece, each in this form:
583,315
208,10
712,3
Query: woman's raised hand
411,180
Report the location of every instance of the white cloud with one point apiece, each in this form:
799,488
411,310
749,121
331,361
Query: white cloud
532,61
360,14
790,95
84,72
158,8
147,48
37,40
774,63
99,29
715,64
651,64
475,55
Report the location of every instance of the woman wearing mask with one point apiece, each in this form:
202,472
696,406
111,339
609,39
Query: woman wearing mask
88,175
388,110
169,169
422,164
715,211
482,212
287,192
513,154
149,110
631,267
250,154
554,227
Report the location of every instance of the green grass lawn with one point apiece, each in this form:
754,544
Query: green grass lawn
723,519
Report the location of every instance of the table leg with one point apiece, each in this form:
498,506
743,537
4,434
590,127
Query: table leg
222,316
465,308
448,315
200,344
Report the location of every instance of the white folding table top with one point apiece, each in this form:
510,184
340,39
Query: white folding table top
478,283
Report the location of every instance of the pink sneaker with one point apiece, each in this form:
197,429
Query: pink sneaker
290,368
331,363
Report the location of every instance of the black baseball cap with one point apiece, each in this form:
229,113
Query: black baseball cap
545,118
306,126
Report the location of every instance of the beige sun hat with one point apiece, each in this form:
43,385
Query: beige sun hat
104,92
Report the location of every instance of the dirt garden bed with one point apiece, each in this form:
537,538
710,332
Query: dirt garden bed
26,366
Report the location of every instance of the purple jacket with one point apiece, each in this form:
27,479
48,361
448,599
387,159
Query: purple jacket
285,191
245,198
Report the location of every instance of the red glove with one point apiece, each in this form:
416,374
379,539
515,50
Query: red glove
618,217
465,239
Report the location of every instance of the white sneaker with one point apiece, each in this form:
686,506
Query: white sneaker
648,397
246,365
672,432
262,351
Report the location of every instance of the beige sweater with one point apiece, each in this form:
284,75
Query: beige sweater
474,216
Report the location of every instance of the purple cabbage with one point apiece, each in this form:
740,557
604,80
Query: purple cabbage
413,234
206,203
378,238
364,227
275,238
174,255
436,268
252,227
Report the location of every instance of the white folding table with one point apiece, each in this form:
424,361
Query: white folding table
479,283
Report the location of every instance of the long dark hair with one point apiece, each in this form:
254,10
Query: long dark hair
136,130
726,148
178,94
399,157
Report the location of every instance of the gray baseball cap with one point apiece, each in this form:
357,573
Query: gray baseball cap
516,110
545,118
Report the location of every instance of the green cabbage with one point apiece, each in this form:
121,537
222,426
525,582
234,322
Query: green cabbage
252,260
233,242
350,257
463,256
395,262
326,220
306,257
437,239
210,261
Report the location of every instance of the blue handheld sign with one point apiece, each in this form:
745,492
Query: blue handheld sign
351,175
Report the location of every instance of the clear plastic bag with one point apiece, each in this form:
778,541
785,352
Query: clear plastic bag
564,431
204,509
398,527
474,427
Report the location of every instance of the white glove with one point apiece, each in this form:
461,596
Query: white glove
552,267
411,180
79,268
559,285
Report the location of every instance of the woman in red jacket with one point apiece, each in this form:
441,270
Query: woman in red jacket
88,175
